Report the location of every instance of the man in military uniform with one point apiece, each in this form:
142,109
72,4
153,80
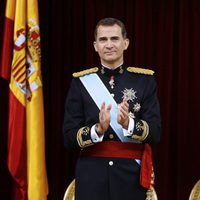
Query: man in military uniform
112,115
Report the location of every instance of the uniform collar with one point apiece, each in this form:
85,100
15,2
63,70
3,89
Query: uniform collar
112,72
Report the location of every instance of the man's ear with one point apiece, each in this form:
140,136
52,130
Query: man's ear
126,43
95,46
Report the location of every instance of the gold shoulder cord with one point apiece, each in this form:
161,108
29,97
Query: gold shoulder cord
85,72
140,70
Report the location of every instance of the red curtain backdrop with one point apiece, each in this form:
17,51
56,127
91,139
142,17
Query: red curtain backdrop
164,36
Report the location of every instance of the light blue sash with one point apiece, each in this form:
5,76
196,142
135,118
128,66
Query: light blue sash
100,94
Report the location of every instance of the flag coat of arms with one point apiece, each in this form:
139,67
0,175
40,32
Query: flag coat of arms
20,65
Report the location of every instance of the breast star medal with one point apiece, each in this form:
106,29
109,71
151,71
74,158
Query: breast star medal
129,94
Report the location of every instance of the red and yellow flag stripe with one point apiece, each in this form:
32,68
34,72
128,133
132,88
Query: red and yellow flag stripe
21,60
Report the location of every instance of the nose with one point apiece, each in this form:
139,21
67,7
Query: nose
109,44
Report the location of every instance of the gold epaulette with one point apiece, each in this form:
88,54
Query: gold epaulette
85,72
140,70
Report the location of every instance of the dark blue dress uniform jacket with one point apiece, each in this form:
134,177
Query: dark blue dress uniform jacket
100,178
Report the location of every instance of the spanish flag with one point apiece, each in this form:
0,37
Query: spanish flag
20,65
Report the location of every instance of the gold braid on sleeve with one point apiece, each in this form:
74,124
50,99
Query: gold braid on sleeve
83,137
141,126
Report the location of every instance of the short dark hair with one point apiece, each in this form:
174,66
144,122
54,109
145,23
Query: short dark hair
110,22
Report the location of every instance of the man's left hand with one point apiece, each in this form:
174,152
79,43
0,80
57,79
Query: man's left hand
122,117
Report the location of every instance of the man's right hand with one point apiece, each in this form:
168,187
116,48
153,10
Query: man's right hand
104,119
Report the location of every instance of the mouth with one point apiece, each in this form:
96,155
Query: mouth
109,52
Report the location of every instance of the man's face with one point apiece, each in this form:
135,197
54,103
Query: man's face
110,45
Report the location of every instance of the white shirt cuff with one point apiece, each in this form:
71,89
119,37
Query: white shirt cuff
95,138
131,125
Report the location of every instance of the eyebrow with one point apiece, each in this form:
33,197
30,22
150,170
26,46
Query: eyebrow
102,38
105,38
115,38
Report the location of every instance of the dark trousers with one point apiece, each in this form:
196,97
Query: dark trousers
108,179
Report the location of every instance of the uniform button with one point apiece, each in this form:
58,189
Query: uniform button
112,95
110,163
111,136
